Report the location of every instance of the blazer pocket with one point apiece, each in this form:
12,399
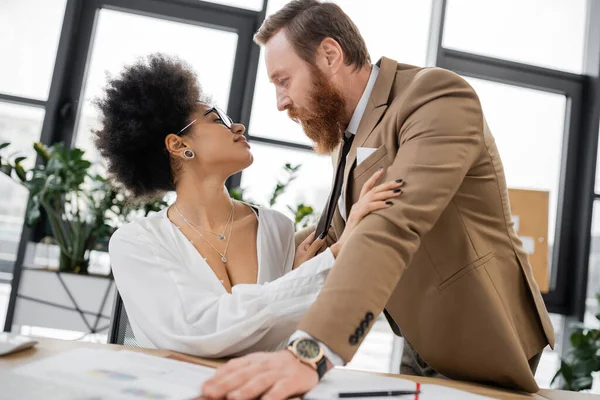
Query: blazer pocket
465,270
370,161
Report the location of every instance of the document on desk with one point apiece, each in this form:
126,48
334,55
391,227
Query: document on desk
344,380
120,375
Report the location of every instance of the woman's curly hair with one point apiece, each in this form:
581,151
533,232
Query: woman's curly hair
148,100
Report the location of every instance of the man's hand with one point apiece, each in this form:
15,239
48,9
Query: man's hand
269,376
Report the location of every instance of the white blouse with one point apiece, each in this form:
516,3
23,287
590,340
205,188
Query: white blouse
175,301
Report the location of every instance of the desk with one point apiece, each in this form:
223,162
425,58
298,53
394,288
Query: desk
49,347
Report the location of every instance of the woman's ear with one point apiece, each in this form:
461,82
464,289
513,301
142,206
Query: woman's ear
175,145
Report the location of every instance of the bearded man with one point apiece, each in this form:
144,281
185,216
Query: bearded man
444,262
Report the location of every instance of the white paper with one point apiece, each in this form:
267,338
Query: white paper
517,222
121,375
528,244
11,343
343,380
362,153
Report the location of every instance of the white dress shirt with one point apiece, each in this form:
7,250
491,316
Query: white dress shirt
175,301
355,121
351,129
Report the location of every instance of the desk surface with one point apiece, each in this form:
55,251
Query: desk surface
48,347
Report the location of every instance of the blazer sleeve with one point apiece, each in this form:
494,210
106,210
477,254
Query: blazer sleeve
176,310
440,137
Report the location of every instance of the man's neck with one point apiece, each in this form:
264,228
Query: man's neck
353,88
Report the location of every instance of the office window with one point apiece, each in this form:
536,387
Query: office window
550,361
597,183
400,33
255,5
547,33
30,30
121,38
593,288
593,285
528,126
310,188
20,125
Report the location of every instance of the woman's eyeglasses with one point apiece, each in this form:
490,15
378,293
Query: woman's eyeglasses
224,118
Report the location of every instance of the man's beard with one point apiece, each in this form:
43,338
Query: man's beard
324,124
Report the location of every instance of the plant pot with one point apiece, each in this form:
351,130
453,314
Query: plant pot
68,264
59,300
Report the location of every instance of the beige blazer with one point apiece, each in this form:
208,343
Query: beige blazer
444,261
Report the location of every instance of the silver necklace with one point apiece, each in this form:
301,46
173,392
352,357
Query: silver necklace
224,253
220,235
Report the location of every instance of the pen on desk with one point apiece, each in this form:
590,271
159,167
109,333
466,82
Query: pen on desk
378,394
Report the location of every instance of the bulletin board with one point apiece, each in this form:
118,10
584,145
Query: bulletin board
530,213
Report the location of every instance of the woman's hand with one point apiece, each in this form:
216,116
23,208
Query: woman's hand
372,198
307,250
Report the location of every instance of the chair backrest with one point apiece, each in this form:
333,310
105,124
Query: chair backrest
119,331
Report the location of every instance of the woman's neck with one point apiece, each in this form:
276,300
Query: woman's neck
204,202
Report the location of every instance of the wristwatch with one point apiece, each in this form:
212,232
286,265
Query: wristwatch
309,352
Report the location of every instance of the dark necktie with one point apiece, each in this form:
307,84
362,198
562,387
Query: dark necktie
327,216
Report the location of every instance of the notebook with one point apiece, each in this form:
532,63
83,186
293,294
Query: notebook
342,380
11,343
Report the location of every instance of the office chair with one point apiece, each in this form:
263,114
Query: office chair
119,331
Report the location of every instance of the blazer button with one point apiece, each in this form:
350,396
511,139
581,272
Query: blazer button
359,332
364,325
353,340
369,316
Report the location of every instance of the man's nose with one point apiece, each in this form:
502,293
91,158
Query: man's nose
283,102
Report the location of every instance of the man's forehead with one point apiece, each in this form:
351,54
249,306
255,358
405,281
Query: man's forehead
279,53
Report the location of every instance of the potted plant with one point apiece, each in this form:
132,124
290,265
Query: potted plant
303,215
584,358
82,209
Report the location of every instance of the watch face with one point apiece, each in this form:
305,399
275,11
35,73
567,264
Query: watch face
308,348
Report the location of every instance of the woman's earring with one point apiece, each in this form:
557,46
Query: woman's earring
188,154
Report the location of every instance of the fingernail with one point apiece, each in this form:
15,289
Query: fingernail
389,203
398,180
380,169
397,190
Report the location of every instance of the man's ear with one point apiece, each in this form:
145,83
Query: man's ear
332,54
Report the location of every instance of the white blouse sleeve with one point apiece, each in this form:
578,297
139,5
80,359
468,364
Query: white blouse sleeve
176,310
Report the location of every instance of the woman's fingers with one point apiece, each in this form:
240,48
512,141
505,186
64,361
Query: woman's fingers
370,183
315,246
390,185
388,194
306,242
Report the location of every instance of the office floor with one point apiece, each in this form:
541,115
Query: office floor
375,352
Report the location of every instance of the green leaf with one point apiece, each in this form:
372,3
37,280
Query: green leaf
42,151
4,145
237,194
19,159
21,172
32,214
577,338
582,383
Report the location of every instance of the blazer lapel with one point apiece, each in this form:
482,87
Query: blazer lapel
375,109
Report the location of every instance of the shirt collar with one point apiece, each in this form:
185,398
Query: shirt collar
362,103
